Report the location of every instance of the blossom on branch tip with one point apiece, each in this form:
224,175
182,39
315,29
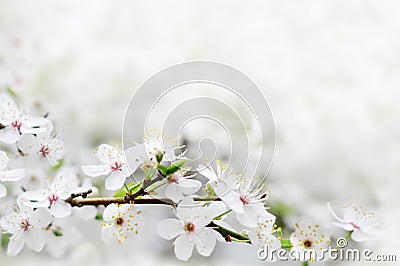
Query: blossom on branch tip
116,164
157,146
247,203
222,181
121,221
180,185
26,226
8,175
53,195
16,122
363,223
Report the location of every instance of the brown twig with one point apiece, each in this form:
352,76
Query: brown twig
75,202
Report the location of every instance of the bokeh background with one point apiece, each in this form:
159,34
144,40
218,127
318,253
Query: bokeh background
330,71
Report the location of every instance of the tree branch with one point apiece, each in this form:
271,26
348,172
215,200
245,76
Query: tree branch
75,202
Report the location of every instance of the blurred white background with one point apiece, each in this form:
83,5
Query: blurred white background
330,71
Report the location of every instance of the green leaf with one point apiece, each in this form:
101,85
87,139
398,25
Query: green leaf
209,191
285,243
99,216
58,165
57,233
162,168
130,189
172,168
11,92
5,238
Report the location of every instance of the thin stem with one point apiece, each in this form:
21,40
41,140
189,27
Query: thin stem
222,214
229,234
74,202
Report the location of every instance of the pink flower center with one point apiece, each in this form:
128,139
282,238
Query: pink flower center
354,225
117,166
244,200
189,227
44,150
173,179
25,224
16,124
53,198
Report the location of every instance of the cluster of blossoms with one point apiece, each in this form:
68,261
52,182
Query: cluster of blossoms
154,171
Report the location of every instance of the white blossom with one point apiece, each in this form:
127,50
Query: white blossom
156,145
8,175
362,222
262,236
118,165
45,144
16,122
180,185
190,229
308,240
221,181
121,222
26,226
52,195
247,204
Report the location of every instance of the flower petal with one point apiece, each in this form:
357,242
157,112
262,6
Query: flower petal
41,217
15,245
189,186
3,191
115,181
334,214
206,172
107,233
248,218
173,192
232,199
14,175
60,209
170,228
183,247
205,242
9,135
110,212
28,144
360,235
96,170
35,239
3,160
107,154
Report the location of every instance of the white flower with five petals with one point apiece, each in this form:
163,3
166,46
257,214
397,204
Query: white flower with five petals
363,223
8,175
15,122
53,195
190,229
121,222
180,185
262,236
45,144
118,165
247,204
26,226
308,241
